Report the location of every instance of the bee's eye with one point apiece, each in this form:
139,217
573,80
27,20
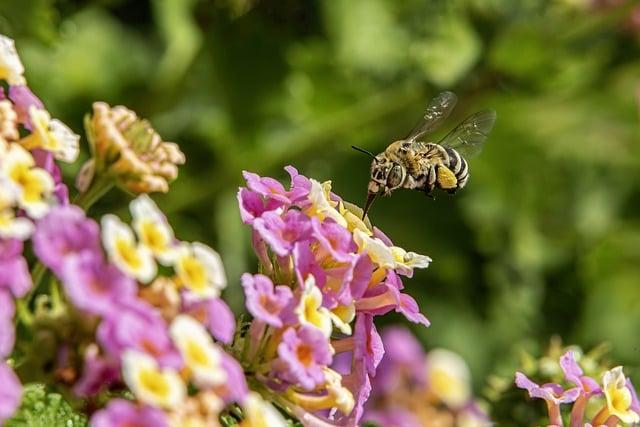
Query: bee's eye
395,177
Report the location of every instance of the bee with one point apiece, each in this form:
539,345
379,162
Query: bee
425,166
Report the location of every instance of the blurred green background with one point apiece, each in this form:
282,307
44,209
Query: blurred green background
544,240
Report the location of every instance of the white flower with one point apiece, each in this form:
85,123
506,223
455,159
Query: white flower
152,229
406,262
132,258
310,310
33,186
201,356
199,269
259,413
379,253
151,384
14,228
392,257
11,68
618,396
321,205
449,377
51,135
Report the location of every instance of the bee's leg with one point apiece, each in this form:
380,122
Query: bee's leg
452,190
430,195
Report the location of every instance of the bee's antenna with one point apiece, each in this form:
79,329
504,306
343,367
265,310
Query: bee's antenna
362,150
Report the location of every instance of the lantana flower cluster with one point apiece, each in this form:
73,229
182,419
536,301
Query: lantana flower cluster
417,389
126,320
30,185
325,275
610,401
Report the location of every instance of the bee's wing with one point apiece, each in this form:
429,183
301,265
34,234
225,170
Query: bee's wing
469,136
435,114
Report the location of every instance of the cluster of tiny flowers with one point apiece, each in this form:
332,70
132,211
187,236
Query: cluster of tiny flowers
131,307
156,333
325,274
414,389
610,402
30,186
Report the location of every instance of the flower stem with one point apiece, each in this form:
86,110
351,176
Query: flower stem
99,187
25,316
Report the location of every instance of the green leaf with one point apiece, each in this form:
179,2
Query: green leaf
42,409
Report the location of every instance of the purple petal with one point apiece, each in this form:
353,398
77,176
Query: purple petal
93,285
98,373
23,98
368,346
302,355
14,271
10,392
235,387
63,232
123,413
409,308
264,301
7,327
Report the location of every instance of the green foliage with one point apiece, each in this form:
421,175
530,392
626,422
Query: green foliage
543,240
40,408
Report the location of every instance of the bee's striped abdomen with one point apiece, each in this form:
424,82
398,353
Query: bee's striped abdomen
458,165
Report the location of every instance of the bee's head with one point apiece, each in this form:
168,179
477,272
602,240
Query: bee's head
386,175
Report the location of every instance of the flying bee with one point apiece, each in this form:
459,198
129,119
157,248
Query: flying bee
425,166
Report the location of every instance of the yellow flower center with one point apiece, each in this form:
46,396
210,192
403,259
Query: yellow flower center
152,237
311,310
128,252
6,218
620,398
196,354
29,182
154,382
195,275
444,385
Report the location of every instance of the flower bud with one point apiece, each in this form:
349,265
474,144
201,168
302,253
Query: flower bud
130,150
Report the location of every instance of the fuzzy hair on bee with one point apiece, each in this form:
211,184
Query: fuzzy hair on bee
424,166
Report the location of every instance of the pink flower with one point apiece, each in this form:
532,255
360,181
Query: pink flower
336,240
10,392
45,160
235,387
553,394
282,232
573,373
95,286
266,187
264,301
252,205
99,372
409,308
216,315
300,185
123,413
14,271
65,231
136,325
368,346
7,328
23,98
302,355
